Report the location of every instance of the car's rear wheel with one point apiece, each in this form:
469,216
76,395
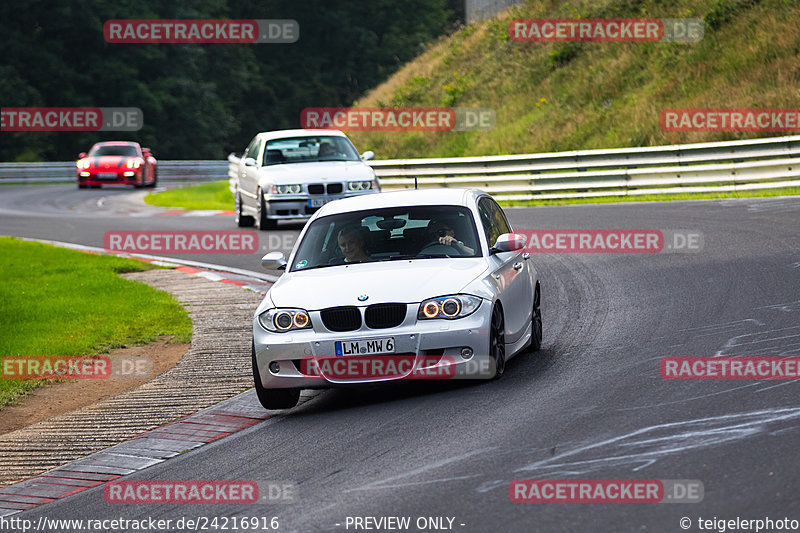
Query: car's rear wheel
273,398
242,220
264,223
497,343
536,321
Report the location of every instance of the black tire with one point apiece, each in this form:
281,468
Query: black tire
273,398
536,321
243,221
262,221
497,342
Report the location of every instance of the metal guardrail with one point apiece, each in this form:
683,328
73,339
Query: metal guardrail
168,171
719,166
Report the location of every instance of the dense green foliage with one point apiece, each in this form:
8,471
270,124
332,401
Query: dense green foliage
200,101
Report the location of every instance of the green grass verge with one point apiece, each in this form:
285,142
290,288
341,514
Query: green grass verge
786,191
55,301
214,195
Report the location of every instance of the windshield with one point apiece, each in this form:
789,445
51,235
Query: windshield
124,150
306,149
398,233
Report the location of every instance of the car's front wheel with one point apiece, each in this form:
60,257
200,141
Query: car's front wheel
497,343
242,220
264,223
155,178
273,398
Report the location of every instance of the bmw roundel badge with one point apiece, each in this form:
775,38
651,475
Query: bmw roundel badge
363,298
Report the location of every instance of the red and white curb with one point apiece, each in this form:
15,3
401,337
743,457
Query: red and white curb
150,448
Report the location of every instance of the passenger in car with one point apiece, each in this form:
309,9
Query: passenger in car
351,243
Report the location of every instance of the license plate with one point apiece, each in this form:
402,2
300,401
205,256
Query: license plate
318,202
107,175
364,347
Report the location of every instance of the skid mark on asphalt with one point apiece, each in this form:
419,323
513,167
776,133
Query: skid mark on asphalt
649,444
389,482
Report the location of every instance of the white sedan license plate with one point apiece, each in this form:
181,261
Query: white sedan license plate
318,202
365,347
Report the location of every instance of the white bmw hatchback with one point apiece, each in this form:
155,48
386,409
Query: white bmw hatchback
402,285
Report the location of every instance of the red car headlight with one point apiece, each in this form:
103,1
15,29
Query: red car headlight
134,163
84,163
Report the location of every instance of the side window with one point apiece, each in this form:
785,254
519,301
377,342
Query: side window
488,222
253,149
499,217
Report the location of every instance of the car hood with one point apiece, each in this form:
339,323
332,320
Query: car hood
391,281
316,172
108,162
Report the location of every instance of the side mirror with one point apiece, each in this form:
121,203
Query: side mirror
249,162
508,242
366,156
81,155
146,151
274,261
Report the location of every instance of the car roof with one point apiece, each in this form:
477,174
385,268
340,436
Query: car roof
283,134
117,143
458,197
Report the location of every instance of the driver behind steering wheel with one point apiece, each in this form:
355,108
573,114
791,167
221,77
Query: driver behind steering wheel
440,232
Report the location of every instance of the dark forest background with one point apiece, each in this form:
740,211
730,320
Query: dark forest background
201,101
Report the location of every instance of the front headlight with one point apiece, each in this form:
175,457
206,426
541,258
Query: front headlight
282,320
448,307
84,163
354,186
286,189
134,163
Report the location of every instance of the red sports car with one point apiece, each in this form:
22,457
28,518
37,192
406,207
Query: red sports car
117,162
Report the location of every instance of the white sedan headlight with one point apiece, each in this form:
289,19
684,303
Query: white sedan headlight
281,320
448,307
354,186
294,188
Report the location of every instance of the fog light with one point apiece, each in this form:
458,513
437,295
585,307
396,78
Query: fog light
274,367
466,353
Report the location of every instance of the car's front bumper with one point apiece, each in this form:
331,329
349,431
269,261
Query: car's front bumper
424,349
109,178
284,206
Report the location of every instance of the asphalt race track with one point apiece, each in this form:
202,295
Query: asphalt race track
590,405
